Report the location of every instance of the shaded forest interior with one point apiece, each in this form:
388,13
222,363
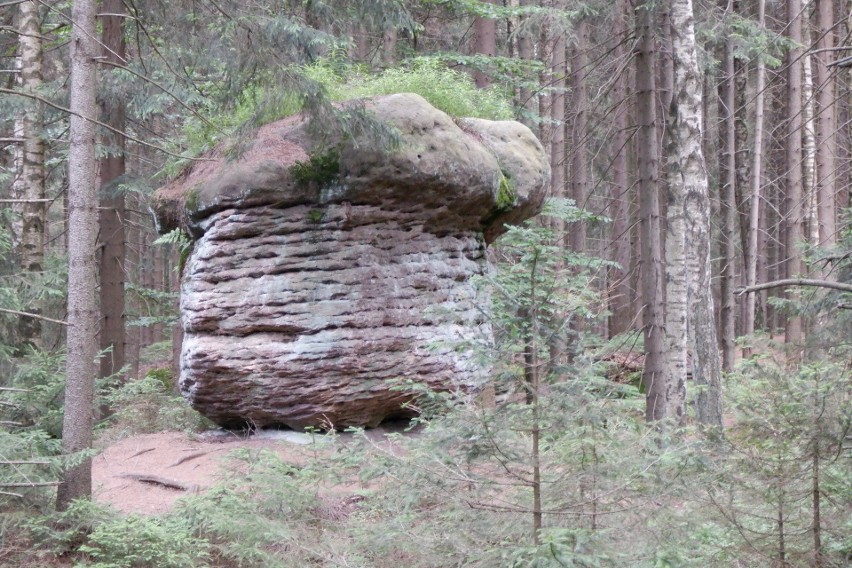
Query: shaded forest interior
671,333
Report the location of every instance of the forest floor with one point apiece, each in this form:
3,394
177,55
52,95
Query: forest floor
147,473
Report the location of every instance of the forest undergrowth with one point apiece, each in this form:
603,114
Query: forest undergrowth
558,468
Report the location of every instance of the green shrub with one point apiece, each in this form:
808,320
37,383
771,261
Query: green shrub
144,542
449,90
149,405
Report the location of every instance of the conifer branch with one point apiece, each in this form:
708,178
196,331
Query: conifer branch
4,90
176,98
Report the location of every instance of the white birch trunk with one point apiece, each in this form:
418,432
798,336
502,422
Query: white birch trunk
28,187
809,137
688,283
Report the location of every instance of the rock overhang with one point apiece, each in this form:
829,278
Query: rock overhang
476,174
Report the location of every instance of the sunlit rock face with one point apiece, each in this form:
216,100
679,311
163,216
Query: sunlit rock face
321,279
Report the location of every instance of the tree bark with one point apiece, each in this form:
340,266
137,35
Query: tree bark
525,51
579,132
28,187
649,211
689,196
756,172
809,198
620,293
794,233
485,43
389,47
112,208
727,199
826,126
82,345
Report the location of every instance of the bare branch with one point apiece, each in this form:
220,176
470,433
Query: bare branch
795,282
36,316
32,484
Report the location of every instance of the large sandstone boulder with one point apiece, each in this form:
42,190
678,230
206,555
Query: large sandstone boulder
322,277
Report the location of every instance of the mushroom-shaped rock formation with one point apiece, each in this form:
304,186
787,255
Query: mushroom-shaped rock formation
320,278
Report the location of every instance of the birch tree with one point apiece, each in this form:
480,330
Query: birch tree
28,187
688,287
82,343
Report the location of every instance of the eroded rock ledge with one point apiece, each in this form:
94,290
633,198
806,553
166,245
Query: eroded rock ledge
320,277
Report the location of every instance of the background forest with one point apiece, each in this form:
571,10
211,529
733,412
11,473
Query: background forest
671,373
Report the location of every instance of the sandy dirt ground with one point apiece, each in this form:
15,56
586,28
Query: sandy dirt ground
147,473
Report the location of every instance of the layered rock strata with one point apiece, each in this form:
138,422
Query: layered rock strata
322,278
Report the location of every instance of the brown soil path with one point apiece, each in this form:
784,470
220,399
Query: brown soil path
148,473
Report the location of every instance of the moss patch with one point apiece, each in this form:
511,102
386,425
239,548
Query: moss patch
506,193
320,169
191,200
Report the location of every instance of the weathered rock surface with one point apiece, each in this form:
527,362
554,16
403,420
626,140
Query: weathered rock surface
315,284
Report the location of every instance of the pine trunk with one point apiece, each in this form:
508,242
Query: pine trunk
649,212
755,198
579,165
728,205
82,345
484,43
525,51
794,233
112,207
620,293
826,126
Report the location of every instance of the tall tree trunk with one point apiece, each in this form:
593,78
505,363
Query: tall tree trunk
485,43
809,198
112,208
689,188
28,187
389,47
742,163
756,179
649,212
794,233
580,103
728,205
133,260
82,344
525,51
826,126
620,295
